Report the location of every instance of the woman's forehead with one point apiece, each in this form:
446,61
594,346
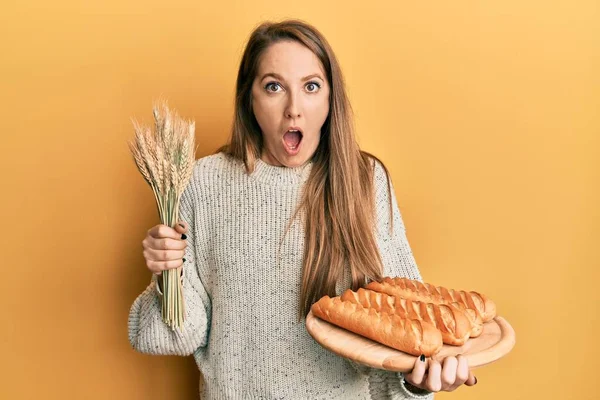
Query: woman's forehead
289,61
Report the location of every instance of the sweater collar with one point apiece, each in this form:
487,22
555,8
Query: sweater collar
282,176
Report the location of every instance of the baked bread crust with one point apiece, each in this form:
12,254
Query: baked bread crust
411,289
452,322
410,336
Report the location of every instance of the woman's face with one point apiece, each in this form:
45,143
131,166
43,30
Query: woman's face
290,91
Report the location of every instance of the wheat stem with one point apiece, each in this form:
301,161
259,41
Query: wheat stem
164,158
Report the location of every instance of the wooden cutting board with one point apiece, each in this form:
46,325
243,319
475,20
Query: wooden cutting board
496,340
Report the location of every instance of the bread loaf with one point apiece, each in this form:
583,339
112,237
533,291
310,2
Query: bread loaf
410,336
416,290
452,322
474,319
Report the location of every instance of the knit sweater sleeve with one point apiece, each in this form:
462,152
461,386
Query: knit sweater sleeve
147,331
398,260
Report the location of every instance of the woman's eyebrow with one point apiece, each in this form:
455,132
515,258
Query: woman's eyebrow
277,76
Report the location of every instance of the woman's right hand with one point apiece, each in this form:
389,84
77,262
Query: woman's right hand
164,247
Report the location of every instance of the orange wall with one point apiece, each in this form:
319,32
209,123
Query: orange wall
486,114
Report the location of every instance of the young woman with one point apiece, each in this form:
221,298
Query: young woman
288,211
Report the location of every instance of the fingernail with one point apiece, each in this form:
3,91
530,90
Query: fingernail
184,260
422,358
183,236
181,225
475,381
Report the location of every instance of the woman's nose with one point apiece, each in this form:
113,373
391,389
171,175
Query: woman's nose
292,110
291,114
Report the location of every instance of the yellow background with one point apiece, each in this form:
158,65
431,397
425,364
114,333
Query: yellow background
486,113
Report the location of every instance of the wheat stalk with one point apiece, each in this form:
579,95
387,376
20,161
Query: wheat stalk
165,157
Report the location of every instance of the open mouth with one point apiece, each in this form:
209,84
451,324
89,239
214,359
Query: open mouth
292,139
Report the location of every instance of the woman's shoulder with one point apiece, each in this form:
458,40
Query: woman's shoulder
212,160
215,167
210,175
381,175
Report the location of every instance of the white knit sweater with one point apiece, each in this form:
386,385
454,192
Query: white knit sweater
242,298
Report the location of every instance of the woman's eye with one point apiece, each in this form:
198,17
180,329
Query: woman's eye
313,87
271,84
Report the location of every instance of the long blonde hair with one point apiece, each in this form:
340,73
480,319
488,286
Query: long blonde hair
338,196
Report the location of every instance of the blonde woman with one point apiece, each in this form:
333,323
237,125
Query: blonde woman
288,211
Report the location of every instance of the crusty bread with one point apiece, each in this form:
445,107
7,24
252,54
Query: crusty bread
416,290
452,322
474,318
410,336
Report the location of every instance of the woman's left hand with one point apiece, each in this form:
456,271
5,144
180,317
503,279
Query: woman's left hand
435,376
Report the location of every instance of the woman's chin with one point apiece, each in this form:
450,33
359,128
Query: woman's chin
285,158
294,161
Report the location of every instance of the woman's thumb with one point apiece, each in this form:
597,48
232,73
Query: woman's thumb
471,380
181,227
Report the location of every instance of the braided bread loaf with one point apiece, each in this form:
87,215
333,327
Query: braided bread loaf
410,336
416,290
452,322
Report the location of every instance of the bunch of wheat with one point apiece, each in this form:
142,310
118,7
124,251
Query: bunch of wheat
165,157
